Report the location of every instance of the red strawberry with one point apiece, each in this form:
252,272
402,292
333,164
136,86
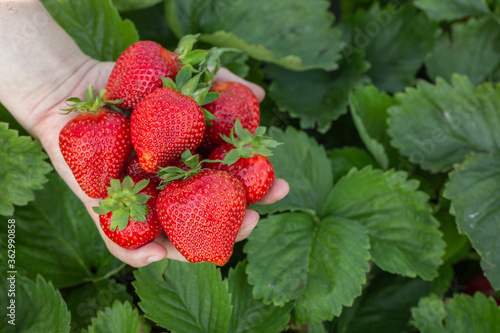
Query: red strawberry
236,101
245,158
139,69
135,170
202,214
95,144
479,283
127,213
163,125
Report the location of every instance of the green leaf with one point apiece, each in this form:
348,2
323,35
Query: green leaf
476,41
22,170
184,297
84,301
438,125
385,305
461,314
130,5
56,237
316,97
304,164
344,159
474,190
321,264
119,318
39,307
95,25
392,44
251,315
429,315
404,236
369,111
291,33
452,9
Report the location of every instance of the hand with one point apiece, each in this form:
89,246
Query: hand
48,129
34,91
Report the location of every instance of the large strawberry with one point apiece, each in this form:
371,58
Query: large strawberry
201,212
169,121
95,144
236,101
139,69
245,157
127,213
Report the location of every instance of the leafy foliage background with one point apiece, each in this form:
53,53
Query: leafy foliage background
390,115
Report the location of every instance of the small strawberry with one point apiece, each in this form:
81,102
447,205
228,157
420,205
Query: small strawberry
135,170
95,144
201,211
139,69
127,213
245,158
169,121
236,101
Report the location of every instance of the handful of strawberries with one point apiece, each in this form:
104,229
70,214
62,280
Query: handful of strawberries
163,106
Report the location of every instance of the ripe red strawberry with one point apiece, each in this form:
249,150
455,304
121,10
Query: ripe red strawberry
245,158
135,170
236,101
479,283
139,69
127,213
163,125
95,144
202,214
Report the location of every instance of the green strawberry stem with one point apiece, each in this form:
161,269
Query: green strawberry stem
91,103
246,144
185,53
125,202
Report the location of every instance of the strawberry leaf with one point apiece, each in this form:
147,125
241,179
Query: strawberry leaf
249,315
452,9
476,40
39,307
368,108
324,269
404,48
461,314
58,239
209,98
305,166
474,190
168,297
344,159
85,301
221,24
438,125
120,317
91,23
22,170
404,236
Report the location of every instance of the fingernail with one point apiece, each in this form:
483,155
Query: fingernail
153,259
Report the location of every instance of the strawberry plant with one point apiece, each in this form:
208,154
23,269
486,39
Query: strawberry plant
382,116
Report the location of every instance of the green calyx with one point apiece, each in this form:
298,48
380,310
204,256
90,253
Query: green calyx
190,85
185,53
91,102
125,202
247,144
171,173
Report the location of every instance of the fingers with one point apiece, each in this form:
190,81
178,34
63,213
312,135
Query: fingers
224,75
248,224
277,192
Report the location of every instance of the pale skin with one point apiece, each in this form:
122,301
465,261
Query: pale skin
40,67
